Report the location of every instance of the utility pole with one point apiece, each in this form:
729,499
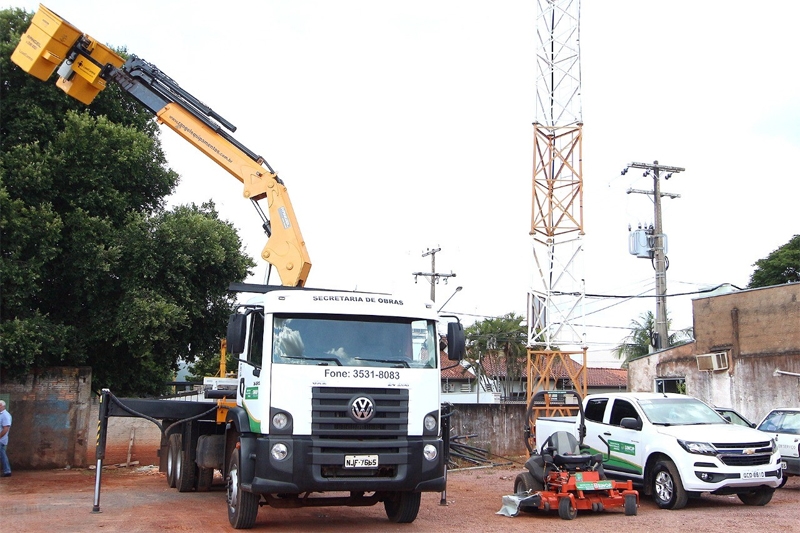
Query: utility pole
433,276
658,247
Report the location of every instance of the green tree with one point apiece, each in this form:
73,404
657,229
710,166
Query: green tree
93,270
639,340
500,343
779,267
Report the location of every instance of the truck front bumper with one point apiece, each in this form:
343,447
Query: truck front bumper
318,465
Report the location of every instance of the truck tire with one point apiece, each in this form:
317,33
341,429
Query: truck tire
205,478
172,458
668,491
631,507
402,507
566,510
242,505
185,470
759,496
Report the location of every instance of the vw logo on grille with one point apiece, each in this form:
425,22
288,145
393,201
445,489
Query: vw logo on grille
362,408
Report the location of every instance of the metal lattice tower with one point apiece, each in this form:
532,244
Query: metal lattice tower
555,300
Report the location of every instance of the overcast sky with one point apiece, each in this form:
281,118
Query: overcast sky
404,126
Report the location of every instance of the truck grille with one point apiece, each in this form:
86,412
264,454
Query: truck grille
745,453
330,413
335,434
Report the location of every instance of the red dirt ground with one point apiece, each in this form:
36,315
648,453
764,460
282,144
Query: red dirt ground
138,500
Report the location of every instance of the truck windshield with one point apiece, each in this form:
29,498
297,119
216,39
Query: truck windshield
354,341
679,412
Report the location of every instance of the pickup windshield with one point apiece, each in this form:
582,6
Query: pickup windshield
679,412
372,341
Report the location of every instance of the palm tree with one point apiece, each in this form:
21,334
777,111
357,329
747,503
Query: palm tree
500,342
639,341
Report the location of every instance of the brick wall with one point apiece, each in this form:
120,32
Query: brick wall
50,411
758,330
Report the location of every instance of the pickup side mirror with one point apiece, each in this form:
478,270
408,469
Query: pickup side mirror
456,341
631,423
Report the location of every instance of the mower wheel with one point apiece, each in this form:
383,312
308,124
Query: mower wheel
566,510
631,507
525,482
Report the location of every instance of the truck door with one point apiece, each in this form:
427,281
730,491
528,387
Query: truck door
624,449
250,372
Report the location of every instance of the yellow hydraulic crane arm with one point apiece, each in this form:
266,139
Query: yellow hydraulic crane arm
87,65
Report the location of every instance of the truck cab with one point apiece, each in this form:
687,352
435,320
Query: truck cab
337,392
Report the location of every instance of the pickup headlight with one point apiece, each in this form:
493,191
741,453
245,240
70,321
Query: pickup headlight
701,448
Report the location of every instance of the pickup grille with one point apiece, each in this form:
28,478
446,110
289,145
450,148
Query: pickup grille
745,453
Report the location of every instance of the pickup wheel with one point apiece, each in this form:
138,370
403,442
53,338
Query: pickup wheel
668,491
760,496
784,479
402,507
173,449
566,510
242,505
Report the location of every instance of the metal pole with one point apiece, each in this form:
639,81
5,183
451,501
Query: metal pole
100,447
660,266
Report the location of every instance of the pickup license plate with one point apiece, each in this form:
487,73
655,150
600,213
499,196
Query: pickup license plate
755,474
360,461
783,465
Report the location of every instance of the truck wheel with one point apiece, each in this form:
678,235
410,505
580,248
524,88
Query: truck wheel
566,510
402,507
242,505
185,470
172,451
631,508
525,482
760,496
205,478
668,490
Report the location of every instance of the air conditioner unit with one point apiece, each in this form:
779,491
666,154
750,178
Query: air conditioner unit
712,361
448,387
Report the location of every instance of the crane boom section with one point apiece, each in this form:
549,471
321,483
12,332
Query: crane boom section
87,65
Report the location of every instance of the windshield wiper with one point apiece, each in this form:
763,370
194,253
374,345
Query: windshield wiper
334,359
396,363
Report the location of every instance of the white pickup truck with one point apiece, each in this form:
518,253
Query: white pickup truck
784,425
673,446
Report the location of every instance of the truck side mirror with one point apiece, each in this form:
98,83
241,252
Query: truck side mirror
456,341
237,328
631,423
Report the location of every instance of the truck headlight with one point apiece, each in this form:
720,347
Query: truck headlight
430,422
701,448
279,451
430,452
280,420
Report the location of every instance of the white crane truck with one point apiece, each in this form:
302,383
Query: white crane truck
674,446
337,392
